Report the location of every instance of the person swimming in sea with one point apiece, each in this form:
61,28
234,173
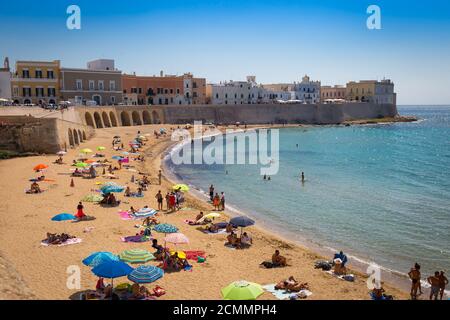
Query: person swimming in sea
265,177
303,177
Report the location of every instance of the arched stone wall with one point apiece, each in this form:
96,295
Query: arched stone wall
112,116
155,117
125,119
98,120
106,121
146,117
80,136
71,141
75,137
89,119
136,118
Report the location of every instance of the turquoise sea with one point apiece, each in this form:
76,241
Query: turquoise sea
380,192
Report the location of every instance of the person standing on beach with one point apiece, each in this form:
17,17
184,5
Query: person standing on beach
168,200
159,177
443,281
216,202
414,275
159,198
435,285
211,192
222,201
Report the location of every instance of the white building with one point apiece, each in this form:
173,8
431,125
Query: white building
234,92
307,91
5,81
101,64
384,92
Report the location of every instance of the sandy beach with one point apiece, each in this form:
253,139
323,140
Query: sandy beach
30,270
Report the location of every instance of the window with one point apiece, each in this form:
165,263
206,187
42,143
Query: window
166,91
15,91
39,92
113,99
26,92
171,91
79,84
91,85
50,74
217,96
25,73
101,85
194,85
140,91
178,91
38,74
187,85
51,92
112,85
194,94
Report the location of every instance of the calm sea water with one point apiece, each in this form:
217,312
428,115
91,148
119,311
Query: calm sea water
379,192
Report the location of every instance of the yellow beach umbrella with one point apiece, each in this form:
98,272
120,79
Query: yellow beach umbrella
181,254
86,150
101,148
181,187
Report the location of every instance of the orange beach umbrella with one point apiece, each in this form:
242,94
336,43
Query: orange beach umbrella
40,167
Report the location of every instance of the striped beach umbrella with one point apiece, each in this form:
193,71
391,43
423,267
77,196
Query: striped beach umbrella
144,213
176,238
136,256
98,258
145,274
165,228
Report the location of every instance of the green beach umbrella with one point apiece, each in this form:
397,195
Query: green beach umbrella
242,290
92,198
81,165
136,256
101,148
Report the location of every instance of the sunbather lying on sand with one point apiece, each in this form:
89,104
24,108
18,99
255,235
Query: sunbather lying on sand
34,188
291,285
53,238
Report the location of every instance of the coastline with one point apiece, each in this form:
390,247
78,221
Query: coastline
29,216
358,266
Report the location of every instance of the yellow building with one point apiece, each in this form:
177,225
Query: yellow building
374,91
36,82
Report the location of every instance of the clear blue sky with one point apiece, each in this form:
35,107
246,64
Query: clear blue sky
276,40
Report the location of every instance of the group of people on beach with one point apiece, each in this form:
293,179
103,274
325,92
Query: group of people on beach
218,201
438,281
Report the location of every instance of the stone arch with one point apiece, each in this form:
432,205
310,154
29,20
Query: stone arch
146,117
136,118
80,136
106,121
84,135
71,141
125,118
75,137
27,101
89,119
155,116
112,116
98,120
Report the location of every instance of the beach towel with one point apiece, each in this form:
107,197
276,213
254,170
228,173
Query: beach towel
68,242
220,231
193,255
285,295
346,277
124,215
135,239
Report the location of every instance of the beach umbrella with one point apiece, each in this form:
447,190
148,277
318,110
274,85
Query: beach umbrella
144,213
81,165
211,215
98,258
61,153
176,238
86,150
117,157
40,167
180,254
181,187
111,188
146,274
165,228
100,148
242,290
125,153
242,222
63,217
136,256
112,269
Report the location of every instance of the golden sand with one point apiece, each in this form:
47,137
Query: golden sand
34,271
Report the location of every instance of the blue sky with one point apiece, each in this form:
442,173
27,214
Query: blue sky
276,40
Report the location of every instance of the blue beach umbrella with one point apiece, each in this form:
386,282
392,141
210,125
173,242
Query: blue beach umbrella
63,217
165,228
117,157
112,188
98,258
145,274
112,269
242,221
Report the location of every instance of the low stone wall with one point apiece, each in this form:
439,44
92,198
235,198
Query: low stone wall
41,135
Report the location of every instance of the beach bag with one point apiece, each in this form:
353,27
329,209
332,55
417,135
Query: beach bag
349,277
201,259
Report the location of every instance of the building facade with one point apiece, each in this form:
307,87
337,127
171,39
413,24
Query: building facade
163,89
36,82
237,92
99,84
5,81
373,91
307,91
333,93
